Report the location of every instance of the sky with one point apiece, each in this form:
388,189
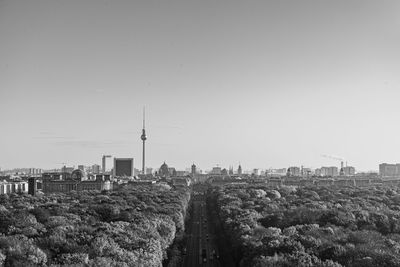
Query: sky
269,84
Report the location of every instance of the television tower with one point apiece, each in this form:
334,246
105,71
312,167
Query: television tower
143,137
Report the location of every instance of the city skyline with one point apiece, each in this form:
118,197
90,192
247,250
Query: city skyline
263,83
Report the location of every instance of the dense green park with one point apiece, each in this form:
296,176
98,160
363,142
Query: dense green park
132,226
310,226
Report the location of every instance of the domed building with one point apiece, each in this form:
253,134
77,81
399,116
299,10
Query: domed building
164,170
78,175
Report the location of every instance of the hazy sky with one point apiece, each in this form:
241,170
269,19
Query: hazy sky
264,83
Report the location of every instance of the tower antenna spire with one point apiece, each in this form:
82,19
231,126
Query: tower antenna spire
144,116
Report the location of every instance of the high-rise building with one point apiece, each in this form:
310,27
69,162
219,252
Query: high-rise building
349,171
329,171
389,170
123,167
96,169
103,163
32,186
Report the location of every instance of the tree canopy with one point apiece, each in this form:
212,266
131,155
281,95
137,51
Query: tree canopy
133,226
310,226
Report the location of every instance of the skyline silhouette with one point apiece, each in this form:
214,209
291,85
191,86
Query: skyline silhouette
264,83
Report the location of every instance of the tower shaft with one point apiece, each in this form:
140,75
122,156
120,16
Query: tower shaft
143,159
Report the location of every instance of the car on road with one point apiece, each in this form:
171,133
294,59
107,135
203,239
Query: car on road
204,255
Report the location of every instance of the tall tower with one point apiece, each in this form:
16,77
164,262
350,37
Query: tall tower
143,137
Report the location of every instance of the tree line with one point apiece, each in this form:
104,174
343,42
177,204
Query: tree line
133,226
310,226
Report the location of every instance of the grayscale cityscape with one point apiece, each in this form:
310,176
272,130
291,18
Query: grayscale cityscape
199,133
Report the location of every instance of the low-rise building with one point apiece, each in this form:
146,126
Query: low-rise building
77,183
8,187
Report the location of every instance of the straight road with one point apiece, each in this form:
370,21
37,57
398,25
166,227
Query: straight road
201,248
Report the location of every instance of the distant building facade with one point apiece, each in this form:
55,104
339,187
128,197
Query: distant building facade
123,167
172,171
256,172
216,171
165,171
76,182
276,172
8,187
239,170
193,169
306,172
389,170
35,171
293,171
96,169
224,172
56,175
32,186
200,178
70,185
79,174
349,171
329,171
182,173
